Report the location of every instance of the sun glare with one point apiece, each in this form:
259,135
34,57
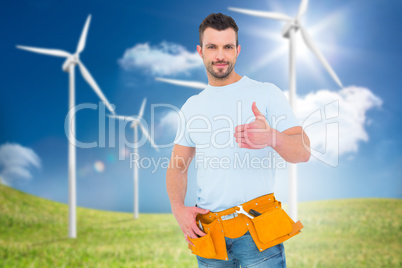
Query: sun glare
304,56
99,166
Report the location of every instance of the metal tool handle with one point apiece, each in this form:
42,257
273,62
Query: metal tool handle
242,211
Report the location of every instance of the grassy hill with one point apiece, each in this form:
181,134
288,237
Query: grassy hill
337,233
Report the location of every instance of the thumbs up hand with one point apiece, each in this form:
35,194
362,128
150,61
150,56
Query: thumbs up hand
257,134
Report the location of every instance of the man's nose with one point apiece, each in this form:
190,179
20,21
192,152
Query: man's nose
219,54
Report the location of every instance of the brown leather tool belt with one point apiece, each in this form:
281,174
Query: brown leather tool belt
267,223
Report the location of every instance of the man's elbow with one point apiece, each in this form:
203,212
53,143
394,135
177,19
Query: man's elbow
304,157
175,169
306,148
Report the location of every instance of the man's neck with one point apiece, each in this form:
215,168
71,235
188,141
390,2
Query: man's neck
217,82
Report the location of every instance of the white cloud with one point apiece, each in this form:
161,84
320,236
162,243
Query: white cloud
169,122
15,161
321,111
163,59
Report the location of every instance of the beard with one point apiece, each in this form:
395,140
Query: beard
220,74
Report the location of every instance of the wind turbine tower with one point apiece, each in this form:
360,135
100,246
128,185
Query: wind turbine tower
289,31
69,66
136,122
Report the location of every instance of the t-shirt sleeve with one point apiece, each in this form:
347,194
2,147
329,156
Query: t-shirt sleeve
279,112
182,134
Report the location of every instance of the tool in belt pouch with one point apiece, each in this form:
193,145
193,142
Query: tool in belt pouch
270,228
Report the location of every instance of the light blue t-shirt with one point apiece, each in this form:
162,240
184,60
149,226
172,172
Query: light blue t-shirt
228,175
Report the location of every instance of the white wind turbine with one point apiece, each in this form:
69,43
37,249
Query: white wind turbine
136,121
183,83
291,27
68,66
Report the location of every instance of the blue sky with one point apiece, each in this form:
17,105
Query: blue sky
360,39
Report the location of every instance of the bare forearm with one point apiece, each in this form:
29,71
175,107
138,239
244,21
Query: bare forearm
176,185
176,175
293,148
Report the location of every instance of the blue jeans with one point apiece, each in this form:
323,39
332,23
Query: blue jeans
243,251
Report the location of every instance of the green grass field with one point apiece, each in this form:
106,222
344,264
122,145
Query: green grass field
337,233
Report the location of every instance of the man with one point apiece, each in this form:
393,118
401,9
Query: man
230,135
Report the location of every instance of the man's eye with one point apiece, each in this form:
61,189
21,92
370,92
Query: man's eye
229,47
211,47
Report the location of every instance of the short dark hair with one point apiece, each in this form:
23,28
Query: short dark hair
218,22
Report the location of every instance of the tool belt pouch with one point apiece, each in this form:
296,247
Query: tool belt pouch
272,227
211,245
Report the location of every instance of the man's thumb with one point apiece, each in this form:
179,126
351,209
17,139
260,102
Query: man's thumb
256,112
201,210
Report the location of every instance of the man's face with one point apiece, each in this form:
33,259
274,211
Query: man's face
219,51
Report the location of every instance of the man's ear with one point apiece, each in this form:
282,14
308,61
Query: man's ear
238,50
199,50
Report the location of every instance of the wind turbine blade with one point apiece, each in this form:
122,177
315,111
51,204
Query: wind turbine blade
88,77
83,38
269,15
124,118
47,51
145,132
142,107
302,8
315,50
192,84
